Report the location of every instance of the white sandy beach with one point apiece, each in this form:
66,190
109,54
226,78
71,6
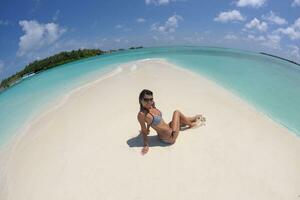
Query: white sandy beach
89,148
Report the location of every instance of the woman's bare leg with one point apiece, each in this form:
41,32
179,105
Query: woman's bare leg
175,123
185,120
179,120
192,119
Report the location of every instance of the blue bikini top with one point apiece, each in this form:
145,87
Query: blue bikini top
156,119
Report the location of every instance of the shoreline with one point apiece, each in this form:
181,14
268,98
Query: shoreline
126,72
8,147
237,95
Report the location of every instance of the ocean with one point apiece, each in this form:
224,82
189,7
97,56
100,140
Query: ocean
269,84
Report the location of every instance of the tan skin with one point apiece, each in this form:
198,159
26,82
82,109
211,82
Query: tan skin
163,129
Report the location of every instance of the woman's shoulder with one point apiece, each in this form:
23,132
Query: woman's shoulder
157,109
141,113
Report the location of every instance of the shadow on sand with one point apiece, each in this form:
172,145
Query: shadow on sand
153,140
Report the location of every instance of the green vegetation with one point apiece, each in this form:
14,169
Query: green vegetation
267,54
53,61
139,47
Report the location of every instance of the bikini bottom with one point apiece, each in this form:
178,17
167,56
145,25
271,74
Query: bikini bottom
166,141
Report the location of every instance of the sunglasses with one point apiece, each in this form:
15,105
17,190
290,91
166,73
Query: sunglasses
148,99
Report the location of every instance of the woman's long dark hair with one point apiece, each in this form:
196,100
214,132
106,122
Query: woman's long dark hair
142,94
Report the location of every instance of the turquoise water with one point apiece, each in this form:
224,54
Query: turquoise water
270,84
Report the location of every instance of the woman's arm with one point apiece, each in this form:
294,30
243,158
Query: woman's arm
144,130
148,131
145,140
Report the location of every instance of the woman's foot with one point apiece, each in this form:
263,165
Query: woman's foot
197,121
198,117
194,124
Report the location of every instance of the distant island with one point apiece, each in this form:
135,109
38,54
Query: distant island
64,57
280,58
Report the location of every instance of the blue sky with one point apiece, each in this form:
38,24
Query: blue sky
34,29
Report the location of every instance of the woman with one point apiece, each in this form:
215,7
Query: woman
150,115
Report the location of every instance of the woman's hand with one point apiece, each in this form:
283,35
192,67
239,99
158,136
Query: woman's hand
145,150
148,131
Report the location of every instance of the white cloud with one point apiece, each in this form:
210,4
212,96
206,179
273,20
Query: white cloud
170,25
292,31
159,2
36,5
294,51
37,35
256,38
122,27
296,3
233,15
296,24
273,18
140,20
98,44
4,22
1,66
272,41
56,15
250,3
256,24
230,37
195,38
121,40
119,26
